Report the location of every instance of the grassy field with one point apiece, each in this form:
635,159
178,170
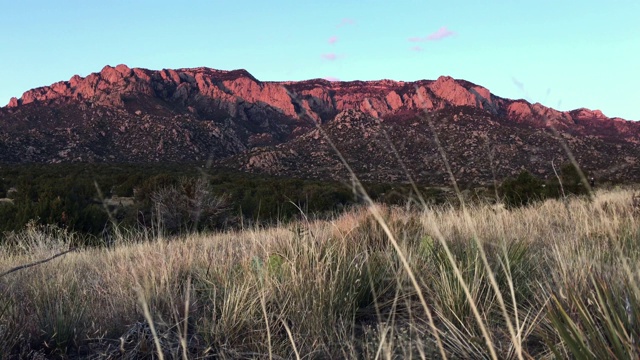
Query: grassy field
557,279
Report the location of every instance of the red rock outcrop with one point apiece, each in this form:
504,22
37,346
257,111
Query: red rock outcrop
519,110
582,114
448,89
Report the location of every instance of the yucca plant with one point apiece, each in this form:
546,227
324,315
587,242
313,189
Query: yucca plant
602,325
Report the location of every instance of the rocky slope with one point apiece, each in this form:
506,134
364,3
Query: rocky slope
476,145
140,115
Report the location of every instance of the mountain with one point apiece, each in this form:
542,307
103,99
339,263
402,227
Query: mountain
385,128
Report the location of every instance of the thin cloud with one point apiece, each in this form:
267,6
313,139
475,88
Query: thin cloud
346,21
333,40
440,34
416,48
331,78
329,56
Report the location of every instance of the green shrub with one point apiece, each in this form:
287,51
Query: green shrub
523,190
570,183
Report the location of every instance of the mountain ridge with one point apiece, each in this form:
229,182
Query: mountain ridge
194,114
456,91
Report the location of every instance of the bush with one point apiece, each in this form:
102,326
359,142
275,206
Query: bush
571,182
188,206
523,190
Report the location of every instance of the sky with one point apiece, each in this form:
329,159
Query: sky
565,54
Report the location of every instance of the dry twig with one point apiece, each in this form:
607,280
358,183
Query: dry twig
37,262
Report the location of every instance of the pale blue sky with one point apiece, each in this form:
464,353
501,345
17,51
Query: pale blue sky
564,54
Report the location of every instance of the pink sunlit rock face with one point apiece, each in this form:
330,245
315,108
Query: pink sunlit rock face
453,93
583,114
314,98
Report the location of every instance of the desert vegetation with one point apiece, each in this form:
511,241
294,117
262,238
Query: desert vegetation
88,198
556,278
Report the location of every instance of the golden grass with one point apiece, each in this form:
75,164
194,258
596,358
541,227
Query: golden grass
335,289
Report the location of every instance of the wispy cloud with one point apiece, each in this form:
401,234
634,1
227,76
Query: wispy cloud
333,40
416,48
331,78
346,21
440,34
329,56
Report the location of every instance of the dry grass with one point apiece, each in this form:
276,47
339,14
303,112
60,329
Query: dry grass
565,272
